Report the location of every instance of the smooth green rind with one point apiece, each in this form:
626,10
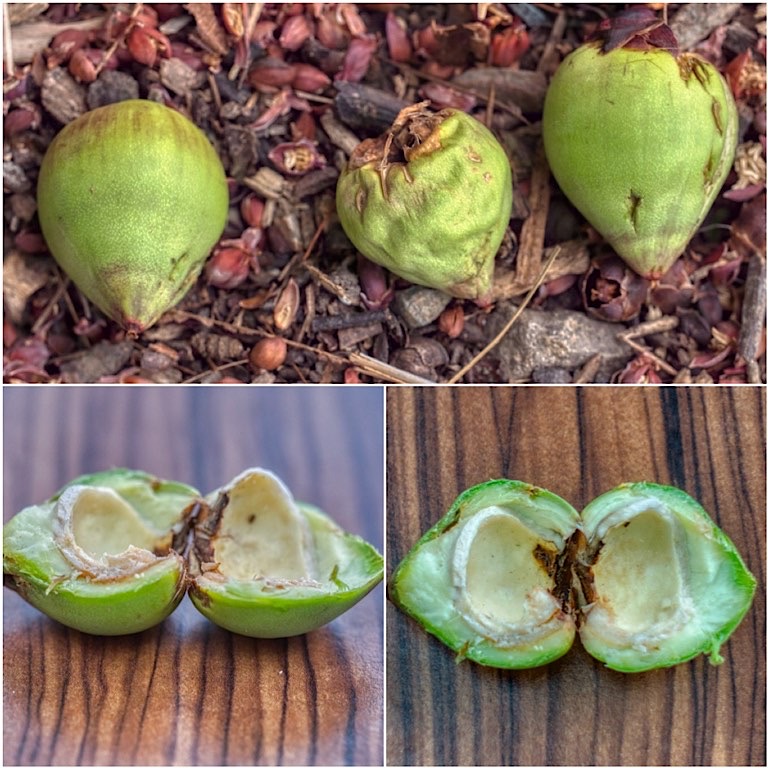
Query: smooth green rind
131,199
719,585
641,143
443,220
350,569
34,566
421,585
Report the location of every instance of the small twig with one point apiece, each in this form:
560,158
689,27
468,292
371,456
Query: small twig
48,310
475,360
8,41
513,109
660,325
352,320
753,317
119,40
301,258
555,36
368,365
589,370
374,367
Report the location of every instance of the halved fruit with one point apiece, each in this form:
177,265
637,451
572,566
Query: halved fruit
484,580
264,565
98,556
663,583
507,576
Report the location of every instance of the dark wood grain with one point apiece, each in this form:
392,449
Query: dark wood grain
578,443
187,692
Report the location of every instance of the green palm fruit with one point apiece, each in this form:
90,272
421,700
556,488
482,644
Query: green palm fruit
131,199
640,138
99,556
429,200
484,580
662,582
511,571
114,552
264,565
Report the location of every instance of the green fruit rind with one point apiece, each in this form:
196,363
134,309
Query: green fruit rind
250,608
425,583
337,568
641,142
438,220
707,586
129,592
131,199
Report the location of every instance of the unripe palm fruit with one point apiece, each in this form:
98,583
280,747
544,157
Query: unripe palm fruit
101,556
512,572
131,198
640,139
429,200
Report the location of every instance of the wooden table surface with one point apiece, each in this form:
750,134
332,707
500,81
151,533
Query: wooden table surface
578,443
187,692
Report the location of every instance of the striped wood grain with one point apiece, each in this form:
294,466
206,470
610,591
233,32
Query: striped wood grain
577,442
187,692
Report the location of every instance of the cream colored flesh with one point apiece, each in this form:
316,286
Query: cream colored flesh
100,534
500,589
639,580
262,532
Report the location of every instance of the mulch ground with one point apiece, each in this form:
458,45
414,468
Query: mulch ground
285,92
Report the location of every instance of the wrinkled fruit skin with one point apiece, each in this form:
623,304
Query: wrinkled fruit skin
435,216
640,141
131,198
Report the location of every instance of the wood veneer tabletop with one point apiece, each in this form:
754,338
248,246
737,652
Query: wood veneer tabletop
188,692
578,443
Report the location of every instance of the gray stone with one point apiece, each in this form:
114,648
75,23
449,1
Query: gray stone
555,339
419,306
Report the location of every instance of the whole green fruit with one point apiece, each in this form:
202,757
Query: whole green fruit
640,139
131,198
430,200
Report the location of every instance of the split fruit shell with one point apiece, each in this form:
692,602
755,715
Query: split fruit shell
430,200
99,556
131,199
264,565
640,140
482,579
663,583
512,572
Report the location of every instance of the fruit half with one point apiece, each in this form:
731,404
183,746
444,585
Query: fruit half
663,583
485,581
99,555
264,565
